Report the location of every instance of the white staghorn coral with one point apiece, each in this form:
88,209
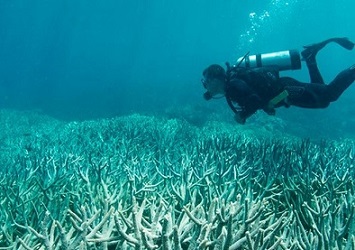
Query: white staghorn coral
143,182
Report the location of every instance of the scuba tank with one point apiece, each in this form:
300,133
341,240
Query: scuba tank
281,60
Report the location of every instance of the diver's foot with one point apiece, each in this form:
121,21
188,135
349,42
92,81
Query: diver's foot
310,51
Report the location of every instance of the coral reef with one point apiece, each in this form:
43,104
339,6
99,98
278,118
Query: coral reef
142,182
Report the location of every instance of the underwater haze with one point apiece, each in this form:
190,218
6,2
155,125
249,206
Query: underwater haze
106,141
90,59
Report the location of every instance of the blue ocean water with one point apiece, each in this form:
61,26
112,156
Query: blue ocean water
88,59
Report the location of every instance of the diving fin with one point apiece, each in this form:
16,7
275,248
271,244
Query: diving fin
312,50
343,42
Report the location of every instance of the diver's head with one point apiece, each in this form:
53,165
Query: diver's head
214,81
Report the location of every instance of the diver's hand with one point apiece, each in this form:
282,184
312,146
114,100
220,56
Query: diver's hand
238,118
270,111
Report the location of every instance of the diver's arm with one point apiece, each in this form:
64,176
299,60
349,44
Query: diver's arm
252,104
238,112
249,102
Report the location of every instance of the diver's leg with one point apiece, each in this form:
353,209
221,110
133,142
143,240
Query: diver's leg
341,82
310,52
313,70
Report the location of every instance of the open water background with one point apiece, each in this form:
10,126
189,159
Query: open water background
89,59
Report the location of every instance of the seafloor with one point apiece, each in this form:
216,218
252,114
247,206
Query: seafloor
148,182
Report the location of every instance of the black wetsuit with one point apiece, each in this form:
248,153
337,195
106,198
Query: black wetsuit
253,89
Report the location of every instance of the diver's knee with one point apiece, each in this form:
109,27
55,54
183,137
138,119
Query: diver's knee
352,71
349,72
326,104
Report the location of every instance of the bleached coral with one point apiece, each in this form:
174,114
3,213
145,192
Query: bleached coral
141,182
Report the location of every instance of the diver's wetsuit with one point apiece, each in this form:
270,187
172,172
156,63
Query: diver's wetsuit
316,94
253,89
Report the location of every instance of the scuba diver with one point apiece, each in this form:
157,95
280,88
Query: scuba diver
254,83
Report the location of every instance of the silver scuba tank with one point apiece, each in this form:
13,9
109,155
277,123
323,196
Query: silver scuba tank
281,60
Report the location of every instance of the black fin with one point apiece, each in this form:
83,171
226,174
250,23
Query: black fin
344,42
311,50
